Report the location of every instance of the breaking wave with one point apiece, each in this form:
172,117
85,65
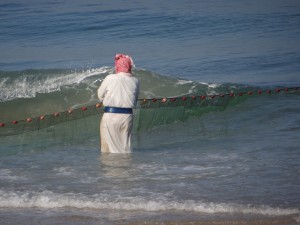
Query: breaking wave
50,200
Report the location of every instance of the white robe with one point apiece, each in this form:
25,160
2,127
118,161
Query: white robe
117,90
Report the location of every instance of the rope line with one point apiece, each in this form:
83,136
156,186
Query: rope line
44,121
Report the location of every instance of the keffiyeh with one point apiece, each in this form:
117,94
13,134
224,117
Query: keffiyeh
123,63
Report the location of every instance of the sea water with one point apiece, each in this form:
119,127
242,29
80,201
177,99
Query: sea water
237,163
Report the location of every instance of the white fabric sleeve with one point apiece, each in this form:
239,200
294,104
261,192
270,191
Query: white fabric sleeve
102,90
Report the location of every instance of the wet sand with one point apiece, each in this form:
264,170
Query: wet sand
103,217
248,222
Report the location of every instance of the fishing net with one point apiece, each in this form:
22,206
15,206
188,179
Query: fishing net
82,124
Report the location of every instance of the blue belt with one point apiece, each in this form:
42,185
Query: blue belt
118,110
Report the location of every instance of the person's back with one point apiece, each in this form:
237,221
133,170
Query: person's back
118,93
121,90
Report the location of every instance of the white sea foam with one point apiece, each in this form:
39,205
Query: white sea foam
6,174
48,199
64,171
181,82
210,85
27,86
213,85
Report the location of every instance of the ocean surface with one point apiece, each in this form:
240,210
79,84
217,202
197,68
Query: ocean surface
217,127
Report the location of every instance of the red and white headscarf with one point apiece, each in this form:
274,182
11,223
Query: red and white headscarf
123,63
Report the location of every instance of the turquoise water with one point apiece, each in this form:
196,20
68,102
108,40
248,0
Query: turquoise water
222,158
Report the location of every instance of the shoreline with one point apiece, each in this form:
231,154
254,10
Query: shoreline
282,221
66,216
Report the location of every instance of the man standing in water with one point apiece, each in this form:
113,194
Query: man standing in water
119,94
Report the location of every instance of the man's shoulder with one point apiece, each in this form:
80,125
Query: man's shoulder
111,76
117,76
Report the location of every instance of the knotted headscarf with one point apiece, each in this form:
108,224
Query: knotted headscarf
123,63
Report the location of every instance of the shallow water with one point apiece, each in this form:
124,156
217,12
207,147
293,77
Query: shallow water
218,164
214,161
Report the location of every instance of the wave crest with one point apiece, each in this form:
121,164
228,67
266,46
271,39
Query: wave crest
49,200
